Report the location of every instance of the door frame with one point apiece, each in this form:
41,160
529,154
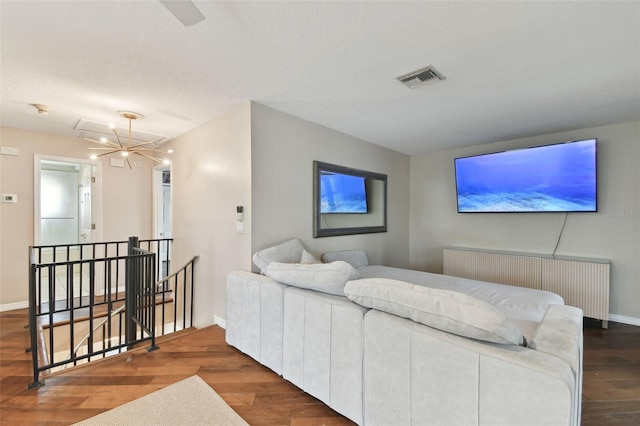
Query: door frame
96,193
158,205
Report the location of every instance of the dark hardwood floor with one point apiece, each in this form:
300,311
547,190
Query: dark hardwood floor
611,389
259,395
611,374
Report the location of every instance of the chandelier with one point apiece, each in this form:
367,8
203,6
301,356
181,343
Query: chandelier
142,149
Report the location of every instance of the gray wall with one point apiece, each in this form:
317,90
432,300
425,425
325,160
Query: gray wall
613,233
283,149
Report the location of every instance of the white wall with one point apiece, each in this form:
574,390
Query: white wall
210,176
283,150
613,233
126,203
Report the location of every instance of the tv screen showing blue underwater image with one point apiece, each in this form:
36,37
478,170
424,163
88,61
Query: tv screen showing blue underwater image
551,178
342,193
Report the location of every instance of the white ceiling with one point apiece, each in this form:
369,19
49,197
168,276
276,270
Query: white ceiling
513,69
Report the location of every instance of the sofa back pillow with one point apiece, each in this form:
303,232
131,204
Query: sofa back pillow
357,258
308,258
445,310
287,252
325,277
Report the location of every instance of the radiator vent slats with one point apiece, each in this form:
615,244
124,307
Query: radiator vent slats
581,283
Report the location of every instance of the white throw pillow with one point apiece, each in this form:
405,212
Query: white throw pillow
445,310
325,277
287,252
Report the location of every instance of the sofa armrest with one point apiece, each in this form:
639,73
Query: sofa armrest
560,334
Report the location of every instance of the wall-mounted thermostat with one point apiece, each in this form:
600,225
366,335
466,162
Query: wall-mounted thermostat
8,150
9,198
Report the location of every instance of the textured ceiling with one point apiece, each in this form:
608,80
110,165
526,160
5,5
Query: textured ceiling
513,69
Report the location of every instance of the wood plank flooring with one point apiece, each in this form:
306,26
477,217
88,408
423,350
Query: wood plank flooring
259,395
611,388
611,375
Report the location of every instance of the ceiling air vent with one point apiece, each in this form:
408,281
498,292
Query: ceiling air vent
93,129
420,77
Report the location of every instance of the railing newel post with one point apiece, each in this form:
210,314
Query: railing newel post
131,271
33,328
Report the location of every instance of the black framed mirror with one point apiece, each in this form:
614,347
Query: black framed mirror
348,201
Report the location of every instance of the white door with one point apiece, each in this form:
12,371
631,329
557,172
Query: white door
59,203
162,213
166,211
66,207
85,203
66,204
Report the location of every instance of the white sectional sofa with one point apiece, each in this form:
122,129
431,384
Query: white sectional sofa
387,346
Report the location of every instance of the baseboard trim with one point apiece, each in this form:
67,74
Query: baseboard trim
220,322
624,319
14,306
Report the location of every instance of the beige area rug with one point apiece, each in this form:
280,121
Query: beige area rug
188,402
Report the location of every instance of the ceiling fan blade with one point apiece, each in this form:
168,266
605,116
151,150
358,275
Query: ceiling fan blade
184,10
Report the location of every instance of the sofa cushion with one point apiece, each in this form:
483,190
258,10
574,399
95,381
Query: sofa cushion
287,252
325,277
446,310
357,258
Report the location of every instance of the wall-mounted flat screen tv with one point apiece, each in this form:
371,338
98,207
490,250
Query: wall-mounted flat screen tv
552,178
342,193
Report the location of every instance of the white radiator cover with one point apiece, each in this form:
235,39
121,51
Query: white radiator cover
581,283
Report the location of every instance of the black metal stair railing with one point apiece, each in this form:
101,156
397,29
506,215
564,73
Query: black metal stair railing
89,301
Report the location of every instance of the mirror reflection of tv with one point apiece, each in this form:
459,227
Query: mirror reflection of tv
552,178
342,193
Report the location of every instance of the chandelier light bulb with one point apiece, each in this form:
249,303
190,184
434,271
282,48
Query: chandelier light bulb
93,156
103,139
170,151
165,161
113,126
125,153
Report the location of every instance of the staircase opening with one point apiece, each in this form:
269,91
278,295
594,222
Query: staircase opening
90,301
